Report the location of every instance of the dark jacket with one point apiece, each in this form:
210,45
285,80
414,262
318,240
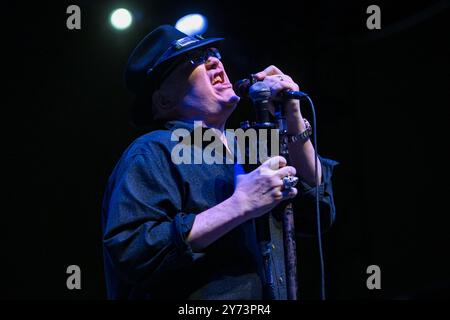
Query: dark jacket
149,208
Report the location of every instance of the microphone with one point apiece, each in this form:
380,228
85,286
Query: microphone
260,94
242,87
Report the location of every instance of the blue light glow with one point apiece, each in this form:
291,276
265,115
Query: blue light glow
192,24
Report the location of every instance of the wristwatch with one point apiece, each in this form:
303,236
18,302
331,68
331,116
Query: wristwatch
301,136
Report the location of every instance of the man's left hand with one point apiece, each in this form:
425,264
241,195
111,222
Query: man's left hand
277,81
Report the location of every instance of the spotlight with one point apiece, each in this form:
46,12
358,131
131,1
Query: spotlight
121,19
192,24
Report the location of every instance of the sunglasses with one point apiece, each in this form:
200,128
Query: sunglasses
199,57
195,58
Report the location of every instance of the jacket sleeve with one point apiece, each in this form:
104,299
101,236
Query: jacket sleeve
305,203
145,231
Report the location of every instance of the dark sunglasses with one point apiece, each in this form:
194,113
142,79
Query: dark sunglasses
195,58
199,57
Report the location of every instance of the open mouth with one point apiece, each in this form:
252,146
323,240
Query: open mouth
218,78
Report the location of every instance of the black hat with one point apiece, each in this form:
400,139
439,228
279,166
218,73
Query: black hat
152,57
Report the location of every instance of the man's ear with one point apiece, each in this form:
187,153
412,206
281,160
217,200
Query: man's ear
161,101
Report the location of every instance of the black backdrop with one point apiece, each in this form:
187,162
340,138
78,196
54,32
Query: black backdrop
380,99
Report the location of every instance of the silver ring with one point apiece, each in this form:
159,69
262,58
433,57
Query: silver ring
289,182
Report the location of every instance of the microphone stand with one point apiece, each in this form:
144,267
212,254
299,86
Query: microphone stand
262,223
290,250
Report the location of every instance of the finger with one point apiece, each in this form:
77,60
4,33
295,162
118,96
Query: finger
277,194
274,163
276,182
286,171
280,78
269,71
287,78
289,193
280,87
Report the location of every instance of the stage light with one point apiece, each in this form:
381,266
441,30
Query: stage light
192,24
121,19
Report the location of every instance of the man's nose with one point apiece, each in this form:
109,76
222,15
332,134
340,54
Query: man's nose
212,63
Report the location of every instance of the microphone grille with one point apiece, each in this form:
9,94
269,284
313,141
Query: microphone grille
259,91
241,87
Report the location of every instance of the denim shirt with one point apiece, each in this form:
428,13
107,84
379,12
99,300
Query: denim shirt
149,208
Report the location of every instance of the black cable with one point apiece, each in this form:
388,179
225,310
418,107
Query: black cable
316,176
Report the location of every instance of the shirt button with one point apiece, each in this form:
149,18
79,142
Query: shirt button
280,279
273,246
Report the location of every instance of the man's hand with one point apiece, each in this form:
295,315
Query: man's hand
262,189
301,152
256,193
277,81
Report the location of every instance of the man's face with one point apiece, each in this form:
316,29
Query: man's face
200,88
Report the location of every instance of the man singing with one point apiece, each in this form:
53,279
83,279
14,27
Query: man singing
187,231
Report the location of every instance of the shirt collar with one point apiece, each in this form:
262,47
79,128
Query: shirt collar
176,124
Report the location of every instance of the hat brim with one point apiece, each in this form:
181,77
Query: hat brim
141,110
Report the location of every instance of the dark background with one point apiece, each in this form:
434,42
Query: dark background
380,100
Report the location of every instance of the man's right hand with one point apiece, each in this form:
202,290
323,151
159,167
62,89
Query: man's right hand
261,190
256,193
